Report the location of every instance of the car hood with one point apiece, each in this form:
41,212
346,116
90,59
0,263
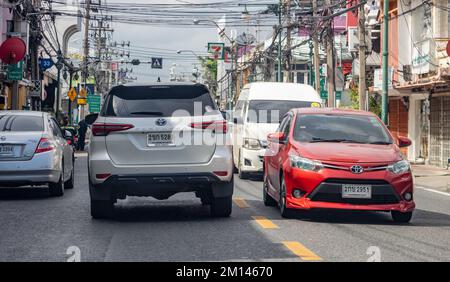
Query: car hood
352,153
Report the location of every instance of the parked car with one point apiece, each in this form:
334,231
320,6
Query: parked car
337,159
258,112
147,141
34,151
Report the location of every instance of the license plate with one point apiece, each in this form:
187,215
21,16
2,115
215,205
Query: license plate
356,191
6,150
159,139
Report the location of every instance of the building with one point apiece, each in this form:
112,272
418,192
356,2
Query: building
419,99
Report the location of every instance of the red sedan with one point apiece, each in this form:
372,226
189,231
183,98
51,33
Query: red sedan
337,159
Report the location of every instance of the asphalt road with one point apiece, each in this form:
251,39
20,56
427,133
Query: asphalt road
36,227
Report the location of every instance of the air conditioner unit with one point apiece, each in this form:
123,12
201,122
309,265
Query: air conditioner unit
353,40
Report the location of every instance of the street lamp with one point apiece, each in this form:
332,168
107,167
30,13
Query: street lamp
232,53
188,51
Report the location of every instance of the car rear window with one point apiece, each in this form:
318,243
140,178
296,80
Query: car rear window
155,101
21,123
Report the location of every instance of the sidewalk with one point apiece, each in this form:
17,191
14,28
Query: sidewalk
431,177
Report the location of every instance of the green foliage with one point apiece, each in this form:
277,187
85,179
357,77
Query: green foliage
374,100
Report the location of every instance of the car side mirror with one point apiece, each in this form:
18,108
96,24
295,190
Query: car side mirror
91,118
404,142
237,120
277,137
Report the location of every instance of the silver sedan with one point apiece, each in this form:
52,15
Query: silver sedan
34,151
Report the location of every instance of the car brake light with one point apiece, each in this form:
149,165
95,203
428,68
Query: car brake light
219,126
45,145
102,175
103,129
221,173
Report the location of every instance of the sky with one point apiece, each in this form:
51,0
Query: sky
164,41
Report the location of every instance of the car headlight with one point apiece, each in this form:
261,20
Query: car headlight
400,167
305,164
252,144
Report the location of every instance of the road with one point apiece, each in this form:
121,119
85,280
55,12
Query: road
35,227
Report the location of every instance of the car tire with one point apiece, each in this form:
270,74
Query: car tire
57,189
267,199
401,217
284,211
221,207
70,184
102,209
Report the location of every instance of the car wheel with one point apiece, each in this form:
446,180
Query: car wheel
102,209
401,217
221,207
268,200
69,184
284,211
57,189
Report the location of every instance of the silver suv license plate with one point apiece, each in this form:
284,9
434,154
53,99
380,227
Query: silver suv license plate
356,191
159,139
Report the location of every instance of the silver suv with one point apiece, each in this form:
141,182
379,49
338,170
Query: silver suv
158,140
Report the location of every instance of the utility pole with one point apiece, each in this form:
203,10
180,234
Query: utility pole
330,58
362,58
288,41
316,48
85,72
280,33
384,89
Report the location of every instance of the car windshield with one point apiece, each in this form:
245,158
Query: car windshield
19,123
272,111
159,101
340,128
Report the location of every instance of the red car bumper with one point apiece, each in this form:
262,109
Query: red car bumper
322,190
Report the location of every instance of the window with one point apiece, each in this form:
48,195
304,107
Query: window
55,128
340,128
18,123
159,101
272,111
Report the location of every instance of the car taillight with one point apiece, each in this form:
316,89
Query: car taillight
219,126
45,145
103,129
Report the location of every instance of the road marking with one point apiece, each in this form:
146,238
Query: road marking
301,251
241,203
435,191
264,222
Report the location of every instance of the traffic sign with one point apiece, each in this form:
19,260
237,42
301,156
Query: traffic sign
81,101
94,102
46,63
72,94
83,93
157,63
15,71
217,50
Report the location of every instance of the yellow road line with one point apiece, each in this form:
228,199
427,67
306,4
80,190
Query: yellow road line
264,222
241,203
303,252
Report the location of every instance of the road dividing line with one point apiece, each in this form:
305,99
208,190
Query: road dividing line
435,191
264,222
301,251
241,203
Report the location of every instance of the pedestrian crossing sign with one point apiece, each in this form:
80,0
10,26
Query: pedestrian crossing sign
72,94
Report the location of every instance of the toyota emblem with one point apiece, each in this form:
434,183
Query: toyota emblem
357,169
3,138
161,122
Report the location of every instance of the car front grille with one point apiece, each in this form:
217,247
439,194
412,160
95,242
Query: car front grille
331,191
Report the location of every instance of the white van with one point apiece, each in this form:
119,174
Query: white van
257,113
